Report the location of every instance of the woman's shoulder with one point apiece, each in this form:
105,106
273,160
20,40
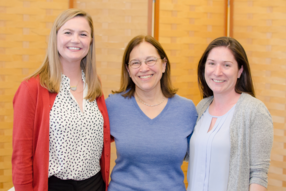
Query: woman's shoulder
249,105
247,101
30,85
204,103
31,82
182,101
116,98
182,104
29,89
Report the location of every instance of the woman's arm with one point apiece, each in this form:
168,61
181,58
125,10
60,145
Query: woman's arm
193,115
24,115
261,139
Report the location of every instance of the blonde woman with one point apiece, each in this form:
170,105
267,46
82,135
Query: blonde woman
61,138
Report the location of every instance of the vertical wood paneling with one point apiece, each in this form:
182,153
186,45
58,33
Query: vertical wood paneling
150,15
24,28
185,30
156,19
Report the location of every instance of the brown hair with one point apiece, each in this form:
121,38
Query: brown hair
244,83
50,71
128,85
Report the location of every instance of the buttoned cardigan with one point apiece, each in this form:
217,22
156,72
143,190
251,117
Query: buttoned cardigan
30,160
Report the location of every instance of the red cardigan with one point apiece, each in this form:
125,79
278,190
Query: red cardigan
30,160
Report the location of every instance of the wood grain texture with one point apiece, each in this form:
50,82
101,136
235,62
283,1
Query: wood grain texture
186,28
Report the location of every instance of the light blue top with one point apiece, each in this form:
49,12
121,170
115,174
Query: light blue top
150,152
209,153
251,138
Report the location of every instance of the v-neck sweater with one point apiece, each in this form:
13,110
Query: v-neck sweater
30,160
150,152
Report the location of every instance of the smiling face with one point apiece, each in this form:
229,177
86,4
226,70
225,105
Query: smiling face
146,78
73,40
221,71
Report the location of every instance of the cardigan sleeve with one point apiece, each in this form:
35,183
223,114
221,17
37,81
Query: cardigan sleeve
24,104
105,157
261,139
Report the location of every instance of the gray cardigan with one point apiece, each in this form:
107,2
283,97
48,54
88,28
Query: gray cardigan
251,135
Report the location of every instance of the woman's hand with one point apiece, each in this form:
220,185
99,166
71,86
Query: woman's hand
256,187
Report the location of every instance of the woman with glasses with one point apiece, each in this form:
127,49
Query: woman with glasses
149,122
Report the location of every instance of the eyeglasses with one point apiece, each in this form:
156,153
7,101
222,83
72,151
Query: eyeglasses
137,63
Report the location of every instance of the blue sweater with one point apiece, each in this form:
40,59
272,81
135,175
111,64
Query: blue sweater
150,152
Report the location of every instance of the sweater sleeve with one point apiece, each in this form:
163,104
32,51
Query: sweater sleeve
24,115
193,115
261,139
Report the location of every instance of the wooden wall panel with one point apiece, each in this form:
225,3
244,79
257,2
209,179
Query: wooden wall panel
185,29
116,23
259,25
24,27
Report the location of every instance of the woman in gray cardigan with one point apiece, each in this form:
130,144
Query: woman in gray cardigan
231,144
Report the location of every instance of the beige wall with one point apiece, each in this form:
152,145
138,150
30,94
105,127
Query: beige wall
260,26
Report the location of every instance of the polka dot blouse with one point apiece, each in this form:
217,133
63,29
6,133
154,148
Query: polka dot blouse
76,137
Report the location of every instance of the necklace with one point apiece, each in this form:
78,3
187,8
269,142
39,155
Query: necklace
73,88
148,104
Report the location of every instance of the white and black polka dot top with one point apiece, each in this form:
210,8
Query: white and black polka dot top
76,137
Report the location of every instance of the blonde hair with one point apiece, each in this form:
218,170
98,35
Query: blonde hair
50,71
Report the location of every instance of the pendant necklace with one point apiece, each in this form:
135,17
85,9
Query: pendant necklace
73,88
148,104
